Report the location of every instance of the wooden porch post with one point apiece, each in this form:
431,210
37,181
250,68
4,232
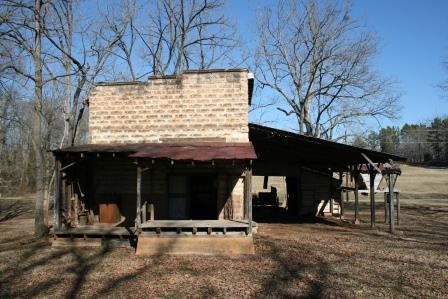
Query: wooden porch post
355,174
372,197
331,190
248,197
341,201
138,219
346,185
57,197
386,198
391,203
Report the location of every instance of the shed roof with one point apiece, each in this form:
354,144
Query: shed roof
194,151
277,145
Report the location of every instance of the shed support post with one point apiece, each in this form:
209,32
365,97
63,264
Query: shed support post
138,219
57,197
355,174
331,193
341,199
391,204
248,197
346,185
386,203
372,198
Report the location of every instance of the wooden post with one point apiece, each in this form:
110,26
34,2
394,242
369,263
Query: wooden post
397,194
372,197
355,174
57,197
391,204
341,200
346,185
331,191
248,197
151,211
386,199
138,220
144,211
265,182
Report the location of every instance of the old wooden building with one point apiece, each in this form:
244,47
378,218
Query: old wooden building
169,165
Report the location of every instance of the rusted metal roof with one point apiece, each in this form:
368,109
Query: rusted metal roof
274,145
199,151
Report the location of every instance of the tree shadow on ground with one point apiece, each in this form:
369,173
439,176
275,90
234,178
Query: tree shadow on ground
284,281
12,210
75,265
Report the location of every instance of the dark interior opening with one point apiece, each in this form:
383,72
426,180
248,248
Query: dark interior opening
203,201
193,197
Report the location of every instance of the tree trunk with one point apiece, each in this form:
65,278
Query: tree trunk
40,224
69,117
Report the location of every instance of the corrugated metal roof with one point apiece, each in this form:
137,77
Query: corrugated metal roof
274,145
199,151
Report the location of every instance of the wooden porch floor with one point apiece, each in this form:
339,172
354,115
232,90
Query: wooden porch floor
195,223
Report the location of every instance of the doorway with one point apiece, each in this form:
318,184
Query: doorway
193,197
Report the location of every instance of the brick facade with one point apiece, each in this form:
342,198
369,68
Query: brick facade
195,105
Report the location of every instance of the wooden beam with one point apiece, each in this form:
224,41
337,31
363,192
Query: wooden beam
391,203
356,177
265,182
151,211
386,199
330,193
371,162
68,166
248,197
144,211
341,200
346,185
57,197
138,220
372,198
398,207
322,208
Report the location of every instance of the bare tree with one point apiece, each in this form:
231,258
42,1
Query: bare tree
316,59
22,26
186,34
37,45
81,70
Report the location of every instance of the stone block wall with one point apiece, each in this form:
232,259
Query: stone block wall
197,105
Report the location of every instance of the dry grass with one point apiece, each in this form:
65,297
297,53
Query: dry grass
423,182
325,258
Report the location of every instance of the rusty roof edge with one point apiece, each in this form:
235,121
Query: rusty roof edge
140,150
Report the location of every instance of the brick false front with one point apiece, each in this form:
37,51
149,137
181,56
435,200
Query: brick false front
193,105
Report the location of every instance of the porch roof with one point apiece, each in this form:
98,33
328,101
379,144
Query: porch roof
195,151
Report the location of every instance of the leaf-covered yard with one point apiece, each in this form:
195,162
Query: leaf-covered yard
326,258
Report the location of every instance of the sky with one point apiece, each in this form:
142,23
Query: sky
413,42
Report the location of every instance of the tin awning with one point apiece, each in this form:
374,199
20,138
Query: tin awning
199,151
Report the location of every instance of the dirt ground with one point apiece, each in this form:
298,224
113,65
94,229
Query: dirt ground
324,258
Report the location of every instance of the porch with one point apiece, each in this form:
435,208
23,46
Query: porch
156,190
196,227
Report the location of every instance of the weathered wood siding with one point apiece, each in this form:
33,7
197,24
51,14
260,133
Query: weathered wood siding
115,180
315,188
